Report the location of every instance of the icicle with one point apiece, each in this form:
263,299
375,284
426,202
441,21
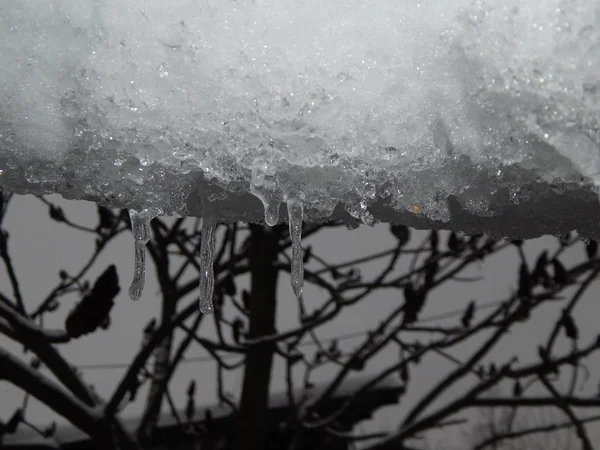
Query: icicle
271,212
265,190
295,216
140,226
207,277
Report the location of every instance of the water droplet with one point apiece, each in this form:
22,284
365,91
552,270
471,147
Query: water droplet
271,204
295,217
207,277
140,227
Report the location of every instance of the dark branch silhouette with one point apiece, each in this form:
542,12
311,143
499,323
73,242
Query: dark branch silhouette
247,338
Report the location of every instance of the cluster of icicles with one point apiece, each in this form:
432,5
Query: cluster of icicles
140,225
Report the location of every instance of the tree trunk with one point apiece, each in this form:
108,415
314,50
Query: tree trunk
252,421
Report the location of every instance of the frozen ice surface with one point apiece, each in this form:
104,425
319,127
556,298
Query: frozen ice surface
478,115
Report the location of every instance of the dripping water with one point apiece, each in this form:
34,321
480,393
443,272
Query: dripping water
207,277
140,227
295,216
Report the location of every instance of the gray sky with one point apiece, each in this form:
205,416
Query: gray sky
40,248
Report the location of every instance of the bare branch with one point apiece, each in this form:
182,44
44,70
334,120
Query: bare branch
565,407
85,418
12,317
143,354
35,339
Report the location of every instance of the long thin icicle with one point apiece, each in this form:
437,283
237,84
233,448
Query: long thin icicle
295,216
140,226
207,277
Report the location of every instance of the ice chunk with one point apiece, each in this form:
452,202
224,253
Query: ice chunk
375,106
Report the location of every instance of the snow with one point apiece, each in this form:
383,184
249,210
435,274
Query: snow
472,115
